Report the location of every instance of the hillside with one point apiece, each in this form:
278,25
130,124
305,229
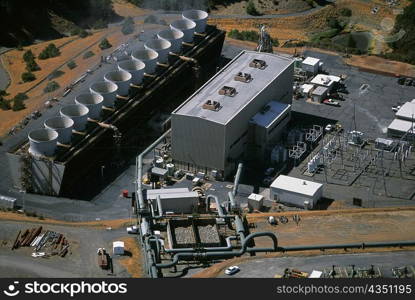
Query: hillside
27,21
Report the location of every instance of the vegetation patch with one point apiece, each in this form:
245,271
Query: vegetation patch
88,54
251,35
104,44
50,51
28,76
51,86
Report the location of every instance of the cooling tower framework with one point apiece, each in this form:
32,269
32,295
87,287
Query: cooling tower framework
174,36
63,126
107,89
187,27
93,102
78,113
149,57
135,67
199,17
43,142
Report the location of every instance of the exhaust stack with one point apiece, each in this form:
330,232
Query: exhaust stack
43,142
148,57
187,27
122,79
63,126
174,36
161,46
198,16
135,67
78,113
107,90
93,102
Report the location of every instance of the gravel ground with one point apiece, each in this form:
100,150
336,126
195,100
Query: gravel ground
208,234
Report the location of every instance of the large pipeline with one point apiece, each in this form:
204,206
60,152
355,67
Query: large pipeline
237,177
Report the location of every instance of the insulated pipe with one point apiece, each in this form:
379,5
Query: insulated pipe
135,67
106,89
174,36
237,177
207,249
218,206
161,46
159,207
122,79
187,27
63,126
148,57
224,254
232,201
93,102
197,16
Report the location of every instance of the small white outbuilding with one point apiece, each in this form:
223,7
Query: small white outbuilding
296,192
118,248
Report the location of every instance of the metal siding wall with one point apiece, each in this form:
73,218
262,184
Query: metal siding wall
198,142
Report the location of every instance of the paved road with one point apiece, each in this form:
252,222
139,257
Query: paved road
269,267
4,76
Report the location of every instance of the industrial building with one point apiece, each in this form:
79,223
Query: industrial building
175,200
403,125
296,192
328,81
212,130
311,65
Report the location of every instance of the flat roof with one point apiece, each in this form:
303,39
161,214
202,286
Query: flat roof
174,195
311,61
307,87
326,80
246,92
296,185
167,191
274,110
406,111
255,197
320,90
401,125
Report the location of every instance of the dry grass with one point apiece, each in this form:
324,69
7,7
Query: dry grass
132,263
18,217
126,9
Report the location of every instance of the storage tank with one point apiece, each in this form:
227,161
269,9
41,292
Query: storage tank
135,67
43,142
63,126
78,113
197,16
93,102
187,27
170,169
106,89
162,47
174,36
148,57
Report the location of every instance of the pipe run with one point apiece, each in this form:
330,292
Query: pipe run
218,206
237,177
159,207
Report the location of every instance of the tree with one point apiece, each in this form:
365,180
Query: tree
51,86
28,56
104,44
21,96
83,33
4,104
351,43
251,9
346,12
18,104
50,51
28,76
32,66
88,54
334,23
71,65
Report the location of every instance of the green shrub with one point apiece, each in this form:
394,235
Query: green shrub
88,54
28,56
51,86
346,12
104,44
71,65
28,76
251,9
20,96
18,105
99,24
56,74
50,51
5,104
83,33
32,66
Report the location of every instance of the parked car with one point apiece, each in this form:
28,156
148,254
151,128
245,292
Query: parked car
232,270
331,102
132,229
329,128
395,108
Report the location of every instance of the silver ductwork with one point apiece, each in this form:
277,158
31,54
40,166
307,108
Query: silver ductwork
122,79
63,126
43,142
106,89
187,27
148,57
162,47
94,103
135,67
199,17
78,113
174,36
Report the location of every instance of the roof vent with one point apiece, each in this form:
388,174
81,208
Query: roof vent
227,91
243,77
211,105
258,63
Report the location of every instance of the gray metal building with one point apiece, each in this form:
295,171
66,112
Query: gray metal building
210,129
